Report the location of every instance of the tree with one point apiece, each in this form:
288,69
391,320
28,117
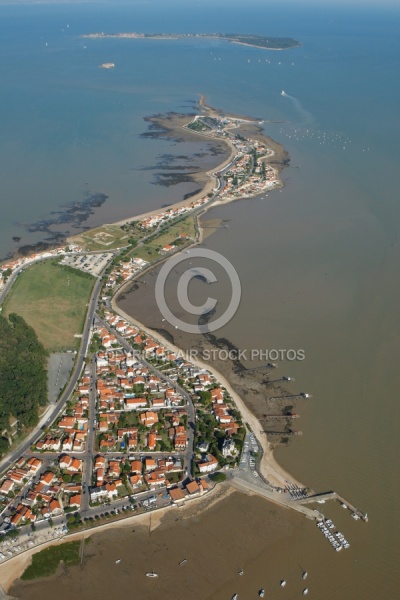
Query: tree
23,376
218,477
4,445
6,274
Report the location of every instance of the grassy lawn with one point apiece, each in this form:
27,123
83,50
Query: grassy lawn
107,237
46,562
150,251
52,299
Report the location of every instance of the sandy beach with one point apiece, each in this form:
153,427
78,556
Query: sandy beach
175,128
269,468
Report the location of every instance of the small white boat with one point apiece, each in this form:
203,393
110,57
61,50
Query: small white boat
283,582
305,591
355,516
235,597
151,574
305,575
343,505
261,593
183,562
241,572
118,561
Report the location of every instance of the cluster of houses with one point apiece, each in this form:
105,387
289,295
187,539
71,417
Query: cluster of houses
137,413
195,380
32,491
136,409
114,477
170,214
124,271
242,180
192,489
69,432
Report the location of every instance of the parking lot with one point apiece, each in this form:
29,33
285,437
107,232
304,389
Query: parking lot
90,263
250,451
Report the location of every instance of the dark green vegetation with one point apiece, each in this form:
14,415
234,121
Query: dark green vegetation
218,477
46,562
23,376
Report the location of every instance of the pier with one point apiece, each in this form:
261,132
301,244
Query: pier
302,395
291,416
261,489
283,433
321,498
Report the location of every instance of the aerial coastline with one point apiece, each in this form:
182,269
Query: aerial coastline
255,41
253,167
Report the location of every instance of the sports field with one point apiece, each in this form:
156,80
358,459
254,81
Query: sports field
52,299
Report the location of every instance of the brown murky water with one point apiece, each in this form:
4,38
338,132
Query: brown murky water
319,272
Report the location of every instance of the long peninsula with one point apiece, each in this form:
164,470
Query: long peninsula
258,41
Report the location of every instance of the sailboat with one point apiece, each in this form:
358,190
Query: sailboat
151,573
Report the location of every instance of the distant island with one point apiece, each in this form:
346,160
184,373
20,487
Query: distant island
258,41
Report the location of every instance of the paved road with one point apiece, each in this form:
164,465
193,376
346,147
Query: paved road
90,439
55,409
188,454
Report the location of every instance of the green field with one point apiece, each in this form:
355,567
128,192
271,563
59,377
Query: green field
46,562
150,250
52,299
107,237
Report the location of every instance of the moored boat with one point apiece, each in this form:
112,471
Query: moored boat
261,593
151,574
305,575
305,591
283,582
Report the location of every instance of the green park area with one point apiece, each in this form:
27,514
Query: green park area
46,562
170,233
107,237
52,298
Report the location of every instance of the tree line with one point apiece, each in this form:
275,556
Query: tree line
23,372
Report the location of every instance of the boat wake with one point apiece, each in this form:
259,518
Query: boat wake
306,117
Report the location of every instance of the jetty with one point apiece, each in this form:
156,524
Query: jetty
302,396
284,433
291,416
321,498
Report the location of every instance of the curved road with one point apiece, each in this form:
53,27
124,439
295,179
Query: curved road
52,412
